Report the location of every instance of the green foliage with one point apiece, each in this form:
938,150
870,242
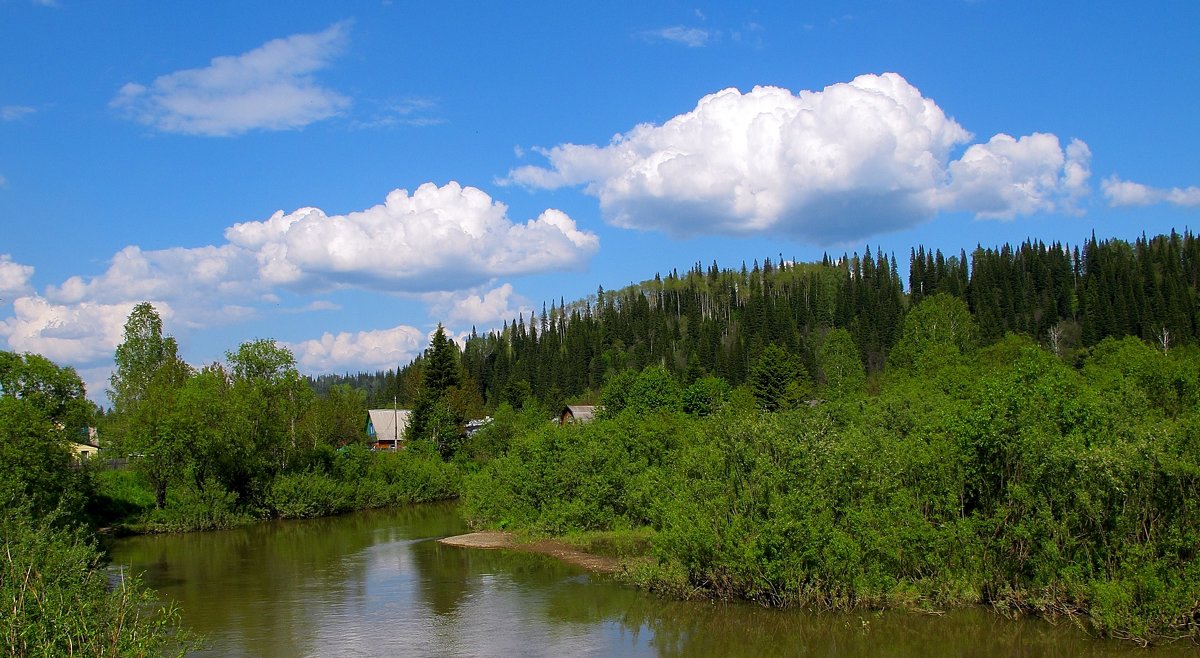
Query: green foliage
998,475
706,396
58,601
654,389
55,393
441,367
937,329
779,380
36,461
615,397
840,365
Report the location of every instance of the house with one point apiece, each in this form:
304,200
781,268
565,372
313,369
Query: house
576,414
83,451
87,444
385,428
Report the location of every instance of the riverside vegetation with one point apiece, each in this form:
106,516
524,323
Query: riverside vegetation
1021,432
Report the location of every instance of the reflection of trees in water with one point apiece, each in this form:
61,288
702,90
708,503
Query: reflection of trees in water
274,583
719,629
273,580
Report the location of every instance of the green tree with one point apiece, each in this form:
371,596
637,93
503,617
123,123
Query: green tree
138,358
148,374
55,393
441,368
267,399
778,379
841,365
938,328
654,389
706,396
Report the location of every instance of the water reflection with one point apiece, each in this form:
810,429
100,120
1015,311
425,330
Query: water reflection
375,584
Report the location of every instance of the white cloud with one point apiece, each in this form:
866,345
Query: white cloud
854,159
268,88
692,37
438,238
14,112
1128,193
72,333
477,307
14,277
3,182
1008,177
413,111
365,350
199,273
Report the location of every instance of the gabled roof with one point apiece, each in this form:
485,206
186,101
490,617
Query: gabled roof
387,424
580,413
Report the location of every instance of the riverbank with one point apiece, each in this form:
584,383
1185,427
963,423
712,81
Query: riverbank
498,540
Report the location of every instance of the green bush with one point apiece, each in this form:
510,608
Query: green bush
58,600
996,475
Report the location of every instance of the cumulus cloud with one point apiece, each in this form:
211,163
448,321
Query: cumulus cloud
692,37
72,333
14,112
1128,193
438,238
268,88
478,307
854,159
366,350
1007,177
14,277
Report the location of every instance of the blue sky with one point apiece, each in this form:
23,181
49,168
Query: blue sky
343,176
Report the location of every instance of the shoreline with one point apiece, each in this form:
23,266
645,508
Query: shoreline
499,540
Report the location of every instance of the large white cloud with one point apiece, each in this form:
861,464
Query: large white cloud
14,277
69,333
433,243
1128,193
438,238
856,158
268,88
367,350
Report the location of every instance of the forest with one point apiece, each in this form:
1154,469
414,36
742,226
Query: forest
1017,427
716,322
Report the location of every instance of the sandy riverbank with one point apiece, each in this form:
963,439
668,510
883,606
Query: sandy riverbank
556,549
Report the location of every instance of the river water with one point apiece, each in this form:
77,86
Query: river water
378,584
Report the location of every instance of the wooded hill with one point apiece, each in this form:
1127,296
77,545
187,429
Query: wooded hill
714,321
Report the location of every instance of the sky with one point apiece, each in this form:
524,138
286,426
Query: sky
342,177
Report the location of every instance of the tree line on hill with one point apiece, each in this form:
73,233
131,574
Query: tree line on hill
717,322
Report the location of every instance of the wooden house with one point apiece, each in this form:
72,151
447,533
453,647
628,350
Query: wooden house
385,428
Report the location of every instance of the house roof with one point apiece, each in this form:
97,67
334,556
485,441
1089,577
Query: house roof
387,424
579,412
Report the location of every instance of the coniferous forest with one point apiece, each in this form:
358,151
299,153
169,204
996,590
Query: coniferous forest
710,321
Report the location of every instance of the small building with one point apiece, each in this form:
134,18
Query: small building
385,428
576,414
83,451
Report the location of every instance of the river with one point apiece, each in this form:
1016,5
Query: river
377,584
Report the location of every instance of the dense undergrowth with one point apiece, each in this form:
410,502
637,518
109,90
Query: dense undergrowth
334,482
1001,476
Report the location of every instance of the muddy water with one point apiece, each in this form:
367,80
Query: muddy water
377,584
